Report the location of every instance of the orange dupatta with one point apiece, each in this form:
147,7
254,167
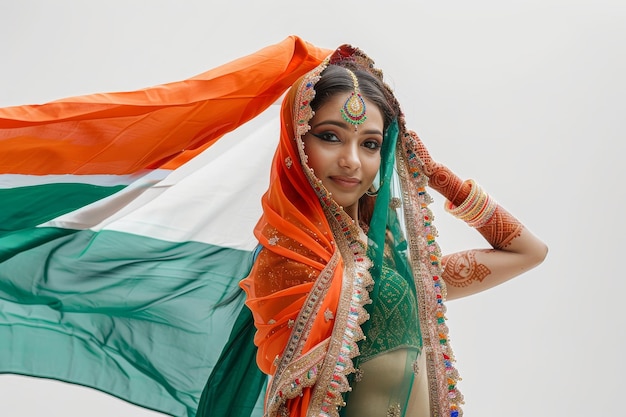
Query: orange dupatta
306,289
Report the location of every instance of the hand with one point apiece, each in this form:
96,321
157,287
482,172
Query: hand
430,166
440,177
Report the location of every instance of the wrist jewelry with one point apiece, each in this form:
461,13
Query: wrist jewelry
477,209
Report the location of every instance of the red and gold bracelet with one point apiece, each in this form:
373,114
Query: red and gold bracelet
477,209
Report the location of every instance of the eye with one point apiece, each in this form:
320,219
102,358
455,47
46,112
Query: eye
326,136
372,144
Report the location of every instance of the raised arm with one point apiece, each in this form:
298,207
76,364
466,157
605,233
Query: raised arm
514,248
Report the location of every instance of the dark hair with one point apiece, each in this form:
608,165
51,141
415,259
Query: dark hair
335,79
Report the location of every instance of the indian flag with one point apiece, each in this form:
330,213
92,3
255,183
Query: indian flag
125,226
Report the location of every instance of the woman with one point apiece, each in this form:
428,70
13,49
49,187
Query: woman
347,290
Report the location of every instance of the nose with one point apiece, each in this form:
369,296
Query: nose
350,157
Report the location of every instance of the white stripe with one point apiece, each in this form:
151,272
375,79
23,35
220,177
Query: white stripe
19,180
214,198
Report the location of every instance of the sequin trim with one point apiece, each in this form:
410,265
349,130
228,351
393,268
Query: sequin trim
300,373
302,103
332,380
394,410
446,399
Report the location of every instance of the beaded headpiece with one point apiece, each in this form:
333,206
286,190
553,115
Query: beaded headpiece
353,110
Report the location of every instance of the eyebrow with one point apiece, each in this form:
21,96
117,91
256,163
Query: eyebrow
345,125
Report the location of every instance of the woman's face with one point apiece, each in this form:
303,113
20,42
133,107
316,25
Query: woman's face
346,159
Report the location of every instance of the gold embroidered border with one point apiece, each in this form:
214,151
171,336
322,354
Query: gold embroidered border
299,333
429,285
332,380
298,374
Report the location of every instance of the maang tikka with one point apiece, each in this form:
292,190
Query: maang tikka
353,110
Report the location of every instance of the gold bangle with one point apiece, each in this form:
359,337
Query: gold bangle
477,209
485,215
462,208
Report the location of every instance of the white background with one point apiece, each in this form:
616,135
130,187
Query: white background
527,97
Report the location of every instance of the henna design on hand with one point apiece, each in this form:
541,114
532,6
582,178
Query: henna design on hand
461,268
448,184
440,177
501,229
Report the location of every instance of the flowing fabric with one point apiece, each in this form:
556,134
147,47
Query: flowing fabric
314,277
121,235
123,240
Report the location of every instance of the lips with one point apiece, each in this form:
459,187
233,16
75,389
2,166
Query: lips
346,181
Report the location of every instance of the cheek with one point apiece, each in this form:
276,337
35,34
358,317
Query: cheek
371,166
309,152
313,158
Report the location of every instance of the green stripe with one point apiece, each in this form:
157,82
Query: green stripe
224,394
129,315
22,240
25,207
